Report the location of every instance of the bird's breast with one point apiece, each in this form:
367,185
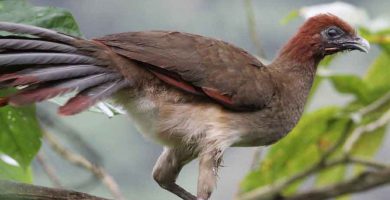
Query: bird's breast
270,124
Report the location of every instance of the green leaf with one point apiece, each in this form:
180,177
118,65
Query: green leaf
317,131
327,140
373,85
377,79
327,60
48,17
381,38
291,16
15,173
331,175
367,146
351,84
369,143
20,133
296,152
378,74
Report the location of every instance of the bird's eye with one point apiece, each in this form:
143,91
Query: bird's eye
334,32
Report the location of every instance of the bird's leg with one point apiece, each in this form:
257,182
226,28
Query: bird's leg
167,169
208,170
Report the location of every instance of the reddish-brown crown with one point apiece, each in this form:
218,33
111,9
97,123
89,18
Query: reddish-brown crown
306,44
320,22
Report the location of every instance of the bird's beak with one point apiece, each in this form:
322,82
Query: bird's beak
357,43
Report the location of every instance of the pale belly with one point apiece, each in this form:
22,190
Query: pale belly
182,123
178,124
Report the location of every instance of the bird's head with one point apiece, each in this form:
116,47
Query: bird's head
333,34
322,35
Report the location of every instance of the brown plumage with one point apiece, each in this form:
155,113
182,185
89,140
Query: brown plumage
195,95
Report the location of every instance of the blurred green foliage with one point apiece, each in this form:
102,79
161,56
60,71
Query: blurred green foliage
20,11
20,133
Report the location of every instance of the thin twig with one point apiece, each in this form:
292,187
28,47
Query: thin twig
366,162
252,28
49,170
358,132
74,137
79,160
256,157
338,143
357,116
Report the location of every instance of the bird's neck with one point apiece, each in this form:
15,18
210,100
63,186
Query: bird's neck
296,65
299,57
299,54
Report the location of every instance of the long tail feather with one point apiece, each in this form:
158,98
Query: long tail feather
31,75
89,97
29,44
36,31
28,96
44,58
89,81
44,64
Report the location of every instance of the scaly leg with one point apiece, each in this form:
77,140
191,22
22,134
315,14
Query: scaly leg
167,169
208,169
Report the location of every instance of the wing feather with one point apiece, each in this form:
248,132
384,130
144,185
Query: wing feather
199,65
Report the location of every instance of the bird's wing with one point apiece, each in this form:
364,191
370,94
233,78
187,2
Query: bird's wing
199,65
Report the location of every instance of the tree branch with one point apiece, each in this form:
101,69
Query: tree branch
79,160
17,191
269,193
366,162
358,132
50,171
77,142
357,116
273,192
363,182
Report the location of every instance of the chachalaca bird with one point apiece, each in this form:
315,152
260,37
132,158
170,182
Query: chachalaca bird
195,95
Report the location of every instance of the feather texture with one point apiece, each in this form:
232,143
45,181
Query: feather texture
31,75
31,95
36,31
50,63
89,97
30,44
199,65
44,58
